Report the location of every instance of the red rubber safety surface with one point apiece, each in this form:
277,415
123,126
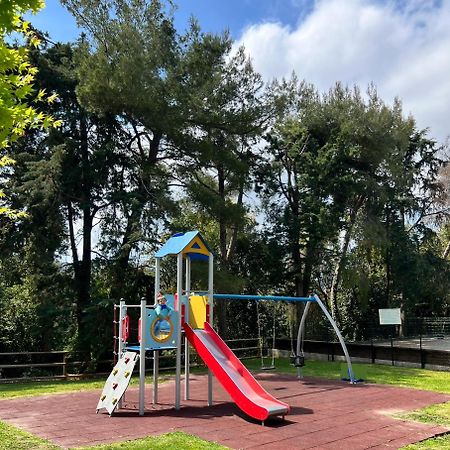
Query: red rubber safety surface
324,415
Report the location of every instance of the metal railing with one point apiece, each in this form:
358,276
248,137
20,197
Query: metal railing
20,366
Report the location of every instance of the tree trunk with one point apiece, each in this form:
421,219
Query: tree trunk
343,254
118,287
84,276
303,283
446,251
220,307
83,268
121,265
73,245
337,276
235,229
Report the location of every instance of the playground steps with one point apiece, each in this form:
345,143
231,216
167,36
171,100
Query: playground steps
117,382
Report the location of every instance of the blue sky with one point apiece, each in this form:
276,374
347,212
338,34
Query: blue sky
213,15
402,46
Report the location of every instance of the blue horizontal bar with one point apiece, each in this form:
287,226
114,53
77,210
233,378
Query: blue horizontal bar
264,297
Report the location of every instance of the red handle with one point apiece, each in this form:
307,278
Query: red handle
125,328
139,329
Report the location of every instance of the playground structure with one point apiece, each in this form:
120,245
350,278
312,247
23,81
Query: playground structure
161,326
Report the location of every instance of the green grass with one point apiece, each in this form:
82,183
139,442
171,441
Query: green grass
440,442
12,438
374,373
32,388
436,414
169,441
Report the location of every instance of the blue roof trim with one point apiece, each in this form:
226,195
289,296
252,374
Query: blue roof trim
178,242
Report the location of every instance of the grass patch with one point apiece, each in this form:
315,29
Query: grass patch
375,373
440,442
436,414
428,380
169,441
32,388
12,438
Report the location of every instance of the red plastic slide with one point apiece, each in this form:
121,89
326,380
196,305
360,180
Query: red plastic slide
246,392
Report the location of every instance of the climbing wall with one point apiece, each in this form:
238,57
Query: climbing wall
117,382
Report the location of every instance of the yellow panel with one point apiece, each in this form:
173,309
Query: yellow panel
197,311
202,250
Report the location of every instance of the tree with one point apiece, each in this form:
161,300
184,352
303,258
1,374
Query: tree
255,268
128,70
18,110
333,157
191,107
63,181
229,114
444,205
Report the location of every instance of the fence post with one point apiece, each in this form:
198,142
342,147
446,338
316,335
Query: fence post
372,351
422,359
328,344
392,350
65,365
422,356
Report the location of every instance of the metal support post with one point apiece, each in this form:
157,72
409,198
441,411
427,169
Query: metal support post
186,318
178,340
155,376
157,280
301,337
143,344
351,375
211,318
156,352
122,314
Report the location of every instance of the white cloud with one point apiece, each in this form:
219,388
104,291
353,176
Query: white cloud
403,47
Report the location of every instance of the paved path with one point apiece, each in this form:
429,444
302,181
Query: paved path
325,415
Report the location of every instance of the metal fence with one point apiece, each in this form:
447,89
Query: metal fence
16,366
418,342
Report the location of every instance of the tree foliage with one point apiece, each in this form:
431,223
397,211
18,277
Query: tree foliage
337,161
164,130
18,99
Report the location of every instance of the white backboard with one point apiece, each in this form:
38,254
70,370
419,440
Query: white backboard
390,316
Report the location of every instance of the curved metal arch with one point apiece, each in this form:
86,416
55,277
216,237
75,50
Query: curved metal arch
301,336
351,375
